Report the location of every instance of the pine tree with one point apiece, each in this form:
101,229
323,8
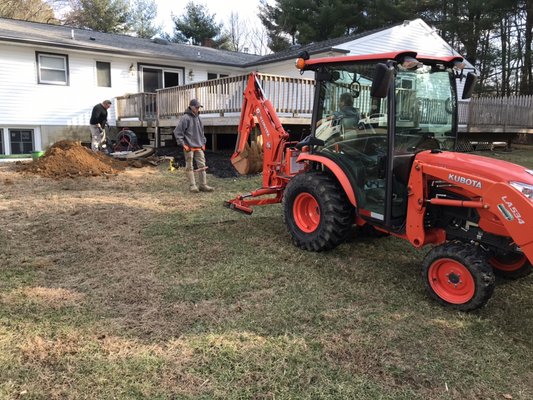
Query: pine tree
143,13
197,26
110,16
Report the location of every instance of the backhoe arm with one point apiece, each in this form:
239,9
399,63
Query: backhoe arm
249,158
257,109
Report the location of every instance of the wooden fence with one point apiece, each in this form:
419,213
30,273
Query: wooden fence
501,114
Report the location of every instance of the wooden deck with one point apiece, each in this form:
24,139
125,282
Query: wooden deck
221,99
292,98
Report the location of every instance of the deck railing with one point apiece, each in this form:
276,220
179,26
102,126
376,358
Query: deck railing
141,106
293,97
223,96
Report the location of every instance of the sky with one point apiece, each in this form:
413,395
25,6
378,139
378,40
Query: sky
246,10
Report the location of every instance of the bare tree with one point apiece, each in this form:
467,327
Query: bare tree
259,40
246,37
28,10
235,32
526,86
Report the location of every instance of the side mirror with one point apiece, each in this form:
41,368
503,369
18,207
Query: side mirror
470,82
383,79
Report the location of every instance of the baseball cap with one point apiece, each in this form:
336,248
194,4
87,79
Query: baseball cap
195,103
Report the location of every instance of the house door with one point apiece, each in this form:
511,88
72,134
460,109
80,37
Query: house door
154,78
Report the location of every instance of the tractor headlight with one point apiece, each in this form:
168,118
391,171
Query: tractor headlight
524,188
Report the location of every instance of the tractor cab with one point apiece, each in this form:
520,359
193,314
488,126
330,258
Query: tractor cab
374,115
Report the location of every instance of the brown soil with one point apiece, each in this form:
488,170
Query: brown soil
69,159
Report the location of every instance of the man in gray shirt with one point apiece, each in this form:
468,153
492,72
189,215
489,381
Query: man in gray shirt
189,134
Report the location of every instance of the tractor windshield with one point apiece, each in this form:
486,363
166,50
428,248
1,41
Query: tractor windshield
424,110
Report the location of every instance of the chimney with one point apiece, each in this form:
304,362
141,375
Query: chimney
72,34
208,43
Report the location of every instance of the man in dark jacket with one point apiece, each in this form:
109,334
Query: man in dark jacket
189,133
97,125
350,114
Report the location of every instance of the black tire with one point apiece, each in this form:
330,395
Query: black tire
317,212
458,275
510,265
126,141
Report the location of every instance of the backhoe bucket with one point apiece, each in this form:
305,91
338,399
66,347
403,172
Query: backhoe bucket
249,161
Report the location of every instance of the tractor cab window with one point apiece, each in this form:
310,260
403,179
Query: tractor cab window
354,126
346,109
424,106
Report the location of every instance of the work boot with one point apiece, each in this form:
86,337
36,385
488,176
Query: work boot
204,187
192,182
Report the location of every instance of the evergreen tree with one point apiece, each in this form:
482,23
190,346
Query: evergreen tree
197,26
111,16
279,37
290,22
142,16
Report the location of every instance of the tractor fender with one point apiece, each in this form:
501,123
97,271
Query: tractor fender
336,170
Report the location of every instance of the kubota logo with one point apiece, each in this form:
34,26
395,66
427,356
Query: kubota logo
465,181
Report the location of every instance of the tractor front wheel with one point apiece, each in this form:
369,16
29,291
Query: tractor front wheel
510,265
457,275
316,211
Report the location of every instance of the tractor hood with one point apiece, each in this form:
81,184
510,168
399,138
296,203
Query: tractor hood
482,167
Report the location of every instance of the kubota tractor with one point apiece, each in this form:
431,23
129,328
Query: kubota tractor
389,165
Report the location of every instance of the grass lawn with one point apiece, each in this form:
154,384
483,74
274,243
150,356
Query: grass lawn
130,287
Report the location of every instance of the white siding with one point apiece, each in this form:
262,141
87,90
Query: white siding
24,101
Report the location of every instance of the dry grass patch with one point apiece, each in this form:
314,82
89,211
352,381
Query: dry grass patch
46,297
162,294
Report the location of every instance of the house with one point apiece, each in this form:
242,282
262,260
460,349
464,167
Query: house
51,76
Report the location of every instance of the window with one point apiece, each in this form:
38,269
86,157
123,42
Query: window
2,151
155,77
21,141
52,69
103,74
212,75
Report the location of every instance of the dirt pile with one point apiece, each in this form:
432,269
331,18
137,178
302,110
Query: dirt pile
69,159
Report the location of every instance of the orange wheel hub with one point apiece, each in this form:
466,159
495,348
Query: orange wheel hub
306,212
451,281
509,265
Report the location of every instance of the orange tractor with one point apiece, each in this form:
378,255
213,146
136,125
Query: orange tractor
386,163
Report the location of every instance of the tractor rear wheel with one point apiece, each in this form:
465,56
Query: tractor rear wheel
316,211
457,275
510,265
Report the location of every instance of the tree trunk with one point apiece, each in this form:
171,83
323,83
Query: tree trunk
526,86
